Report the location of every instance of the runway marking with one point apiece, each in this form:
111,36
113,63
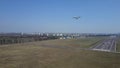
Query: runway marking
108,45
115,47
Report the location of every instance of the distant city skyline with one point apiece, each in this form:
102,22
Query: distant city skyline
28,16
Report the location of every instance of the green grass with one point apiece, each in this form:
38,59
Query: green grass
32,55
82,43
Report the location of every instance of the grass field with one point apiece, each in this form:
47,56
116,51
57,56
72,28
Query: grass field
118,45
82,43
32,55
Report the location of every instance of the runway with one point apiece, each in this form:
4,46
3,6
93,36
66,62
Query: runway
108,45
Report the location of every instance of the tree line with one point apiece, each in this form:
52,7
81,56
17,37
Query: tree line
23,39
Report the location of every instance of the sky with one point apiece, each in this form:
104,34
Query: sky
97,16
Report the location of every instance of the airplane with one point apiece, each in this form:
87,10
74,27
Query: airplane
76,17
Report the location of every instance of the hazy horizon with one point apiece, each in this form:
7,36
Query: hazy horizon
97,16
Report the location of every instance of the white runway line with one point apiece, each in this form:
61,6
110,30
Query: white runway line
101,50
115,46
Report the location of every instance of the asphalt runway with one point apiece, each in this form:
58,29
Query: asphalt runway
108,45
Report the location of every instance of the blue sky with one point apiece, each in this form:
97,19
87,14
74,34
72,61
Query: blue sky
97,16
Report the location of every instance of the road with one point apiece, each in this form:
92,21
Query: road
108,45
